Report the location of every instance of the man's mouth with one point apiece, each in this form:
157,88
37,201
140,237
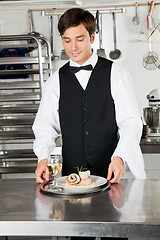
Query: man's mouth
75,54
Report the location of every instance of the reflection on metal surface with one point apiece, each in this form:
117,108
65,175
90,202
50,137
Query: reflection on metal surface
49,208
128,209
135,191
117,194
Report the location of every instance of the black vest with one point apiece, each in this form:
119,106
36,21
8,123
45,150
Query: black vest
87,120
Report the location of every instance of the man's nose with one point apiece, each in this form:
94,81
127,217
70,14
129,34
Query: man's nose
74,45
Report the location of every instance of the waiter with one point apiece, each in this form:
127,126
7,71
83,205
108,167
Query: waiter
90,100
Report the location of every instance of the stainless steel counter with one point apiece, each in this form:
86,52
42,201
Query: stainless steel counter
128,209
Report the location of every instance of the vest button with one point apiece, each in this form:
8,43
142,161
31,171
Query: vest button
87,133
85,109
87,145
84,97
85,121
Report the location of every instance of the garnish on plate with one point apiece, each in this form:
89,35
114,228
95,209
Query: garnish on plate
81,169
83,178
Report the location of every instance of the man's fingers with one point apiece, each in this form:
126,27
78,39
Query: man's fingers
47,175
116,178
116,167
41,168
39,179
109,176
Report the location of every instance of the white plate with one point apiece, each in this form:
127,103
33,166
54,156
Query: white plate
98,182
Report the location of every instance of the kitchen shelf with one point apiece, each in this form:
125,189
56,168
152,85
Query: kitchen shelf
17,153
20,97
16,120
22,60
19,71
21,83
18,108
4,135
29,46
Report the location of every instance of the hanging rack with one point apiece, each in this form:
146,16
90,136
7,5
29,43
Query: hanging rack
96,7
103,11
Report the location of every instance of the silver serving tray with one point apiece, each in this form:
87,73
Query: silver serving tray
47,188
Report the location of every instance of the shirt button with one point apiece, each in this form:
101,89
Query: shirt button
87,133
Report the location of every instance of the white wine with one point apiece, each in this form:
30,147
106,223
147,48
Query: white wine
54,169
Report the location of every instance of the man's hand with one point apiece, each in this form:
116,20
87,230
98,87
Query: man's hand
115,167
42,168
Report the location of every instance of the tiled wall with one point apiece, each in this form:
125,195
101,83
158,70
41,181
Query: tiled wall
13,22
152,167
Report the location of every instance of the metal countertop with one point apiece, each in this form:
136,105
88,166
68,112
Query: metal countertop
130,208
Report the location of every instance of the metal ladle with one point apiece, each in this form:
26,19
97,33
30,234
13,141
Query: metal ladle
135,19
116,53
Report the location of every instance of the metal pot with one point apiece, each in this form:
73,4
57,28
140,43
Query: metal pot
152,118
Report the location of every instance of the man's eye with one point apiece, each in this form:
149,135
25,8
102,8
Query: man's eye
67,41
80,39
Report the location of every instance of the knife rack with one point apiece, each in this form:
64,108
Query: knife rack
19,99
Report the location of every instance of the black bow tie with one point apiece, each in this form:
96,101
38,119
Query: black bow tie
77,69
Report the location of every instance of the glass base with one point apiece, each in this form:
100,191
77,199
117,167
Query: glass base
54,187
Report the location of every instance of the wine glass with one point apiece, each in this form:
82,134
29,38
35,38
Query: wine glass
54,165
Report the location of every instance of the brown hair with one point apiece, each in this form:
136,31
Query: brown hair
74,17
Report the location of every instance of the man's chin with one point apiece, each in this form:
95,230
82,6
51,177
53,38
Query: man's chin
76,59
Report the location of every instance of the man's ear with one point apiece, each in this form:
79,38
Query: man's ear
92,37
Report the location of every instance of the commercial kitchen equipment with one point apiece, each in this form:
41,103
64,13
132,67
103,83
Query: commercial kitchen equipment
116,53
152,113
100,51
136,18
21,81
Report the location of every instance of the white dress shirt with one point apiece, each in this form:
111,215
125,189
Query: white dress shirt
46,126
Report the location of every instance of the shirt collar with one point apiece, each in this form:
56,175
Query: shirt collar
92,60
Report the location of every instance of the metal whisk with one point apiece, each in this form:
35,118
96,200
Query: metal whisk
150,59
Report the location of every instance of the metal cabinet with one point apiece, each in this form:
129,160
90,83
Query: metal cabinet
25,64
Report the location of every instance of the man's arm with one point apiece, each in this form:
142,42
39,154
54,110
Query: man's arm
128,121
46,126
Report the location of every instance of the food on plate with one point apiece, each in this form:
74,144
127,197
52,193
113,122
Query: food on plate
73,179
81,179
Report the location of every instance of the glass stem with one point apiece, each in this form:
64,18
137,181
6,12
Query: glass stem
54,180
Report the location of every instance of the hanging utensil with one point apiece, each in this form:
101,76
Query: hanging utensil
154,34
150,59
97,21
51,35
100,50
135,19
150,25
149,31
116,53
63,56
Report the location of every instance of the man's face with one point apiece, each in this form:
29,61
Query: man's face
77,43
